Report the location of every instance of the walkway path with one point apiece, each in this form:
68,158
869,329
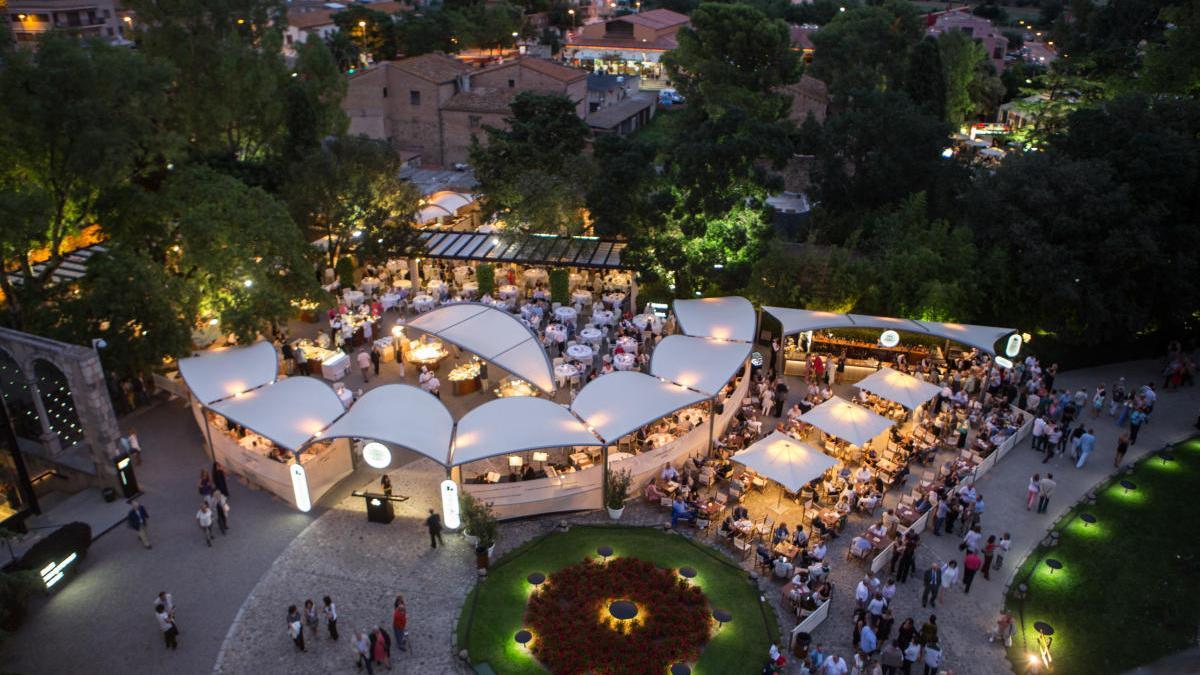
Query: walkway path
965,620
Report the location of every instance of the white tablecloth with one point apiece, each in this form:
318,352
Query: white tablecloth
369,284
346,396
534,275
659,440
623,361
614,300
602,317
580,353
397,266
581,298
470,288
423,303
352,297
564,372
436,287
403,284
618,456
628,344
644,320
335,367
616,280
507,292
565,313
390,300
556,332
591,335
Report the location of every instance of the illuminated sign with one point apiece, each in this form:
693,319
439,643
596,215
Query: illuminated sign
1003,362
377,455
1013,347
756,359
300,487
889,338
450,515
53,573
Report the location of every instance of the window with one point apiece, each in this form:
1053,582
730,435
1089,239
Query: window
473,121
385,92
512,84
414,97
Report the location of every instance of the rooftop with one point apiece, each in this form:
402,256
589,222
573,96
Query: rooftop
613,115
655,18
551,69
607,81
482,99
437,68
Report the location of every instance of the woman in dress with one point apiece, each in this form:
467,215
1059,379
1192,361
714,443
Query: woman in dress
1031,492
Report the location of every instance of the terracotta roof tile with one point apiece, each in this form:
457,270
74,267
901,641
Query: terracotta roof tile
550,69
481,99
655,18
437,68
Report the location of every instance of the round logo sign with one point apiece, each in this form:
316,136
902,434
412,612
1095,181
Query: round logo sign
889,338
377,455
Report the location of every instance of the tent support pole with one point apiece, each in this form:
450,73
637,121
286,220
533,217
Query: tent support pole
712,423
604,485
212,453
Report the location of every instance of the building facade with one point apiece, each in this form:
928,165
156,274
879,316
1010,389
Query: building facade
977,28
28,19
627,45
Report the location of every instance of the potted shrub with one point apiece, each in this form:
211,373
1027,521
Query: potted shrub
617,491
485,277
479,528
560,282
345,271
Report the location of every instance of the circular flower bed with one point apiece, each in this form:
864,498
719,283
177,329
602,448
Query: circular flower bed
577,634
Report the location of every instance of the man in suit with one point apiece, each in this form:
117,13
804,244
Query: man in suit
933,584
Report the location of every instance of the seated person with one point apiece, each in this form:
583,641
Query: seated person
680,511
860,546
740,513
817,551
843,505
922,505
727,528
653,494
781,533
869,502
878,529
725,471
799,536
821,528
669,473
783,567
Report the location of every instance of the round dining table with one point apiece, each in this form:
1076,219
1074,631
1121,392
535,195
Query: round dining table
591,335
623,361
644,321
507,292
627,344
602,317
581,298
615,299
557,332
436,287
423,302
564,372
369,284
580,352
535,275
566,314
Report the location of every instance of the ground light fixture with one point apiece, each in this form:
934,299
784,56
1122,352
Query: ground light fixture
605,552
1165,457
722,616
623,610
1045,638
1128,485
1088,519
536,579
681,669
1054,564
523,637
688,573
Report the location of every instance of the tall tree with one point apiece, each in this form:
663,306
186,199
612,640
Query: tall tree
619,199
350,192
313,95
862,48
533,171
78,123
960,57
371,31
1173,65
925,80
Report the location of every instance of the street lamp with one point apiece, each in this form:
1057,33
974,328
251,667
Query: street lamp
572,13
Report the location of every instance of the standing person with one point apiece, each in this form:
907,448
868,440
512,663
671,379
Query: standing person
362,648
218,478
891,658
385,484
834,665
989,554
912,654
949,575
205,486
1136,419
166,624
1045,489
311,620
137,519
939,517
135,447
400,623
364,364
381,648
1002,548
330,612
295,627
166,600
1098,401
933,658
1087,443
1031,492
1122,448
933,585
434,523
376,357
220,507
971,564
908,562
205,518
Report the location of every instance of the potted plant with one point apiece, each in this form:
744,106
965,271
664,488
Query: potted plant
617,490
560,282
480,528
485,277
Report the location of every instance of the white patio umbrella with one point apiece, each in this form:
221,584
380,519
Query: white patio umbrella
849,422
894,385
785,460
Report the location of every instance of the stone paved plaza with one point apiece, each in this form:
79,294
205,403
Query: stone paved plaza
233,597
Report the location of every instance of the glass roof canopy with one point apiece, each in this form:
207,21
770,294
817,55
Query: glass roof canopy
523,249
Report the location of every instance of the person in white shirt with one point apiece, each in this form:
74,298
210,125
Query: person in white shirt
364,364
875,608
818,551
912,654
878,530
862,592
205,518
834,665
949,575
669,473
933,657
166,600
166,624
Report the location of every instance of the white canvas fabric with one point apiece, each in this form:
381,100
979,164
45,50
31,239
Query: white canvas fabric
624,401
221,373
848,421
698,363
517,424
785,460
728,318
289,412
893,385
402,415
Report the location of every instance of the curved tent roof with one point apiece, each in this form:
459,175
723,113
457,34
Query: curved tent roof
494,335
402,415
623,401
728,318
894,385
516,424
800,320
450,201
289,412
849,422
785,460
698,363
222,373
431,212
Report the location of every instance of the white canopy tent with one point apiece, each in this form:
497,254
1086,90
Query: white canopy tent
785,460
402,415
623,401
849,422
450,200
698,363
893,385
800,320
432,212
517,424
222,373
727,318
289,412
495,335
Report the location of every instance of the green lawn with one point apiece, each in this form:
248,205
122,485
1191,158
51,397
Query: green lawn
497,605
1126,594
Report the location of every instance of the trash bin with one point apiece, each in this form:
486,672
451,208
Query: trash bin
800,643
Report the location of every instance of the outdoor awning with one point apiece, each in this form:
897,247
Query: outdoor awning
523,249
624,401
517,424
449,200
432,212
698,363
785,460
849,422
221,373
893,385
495,335
402,415
795,321
288,412
728,318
